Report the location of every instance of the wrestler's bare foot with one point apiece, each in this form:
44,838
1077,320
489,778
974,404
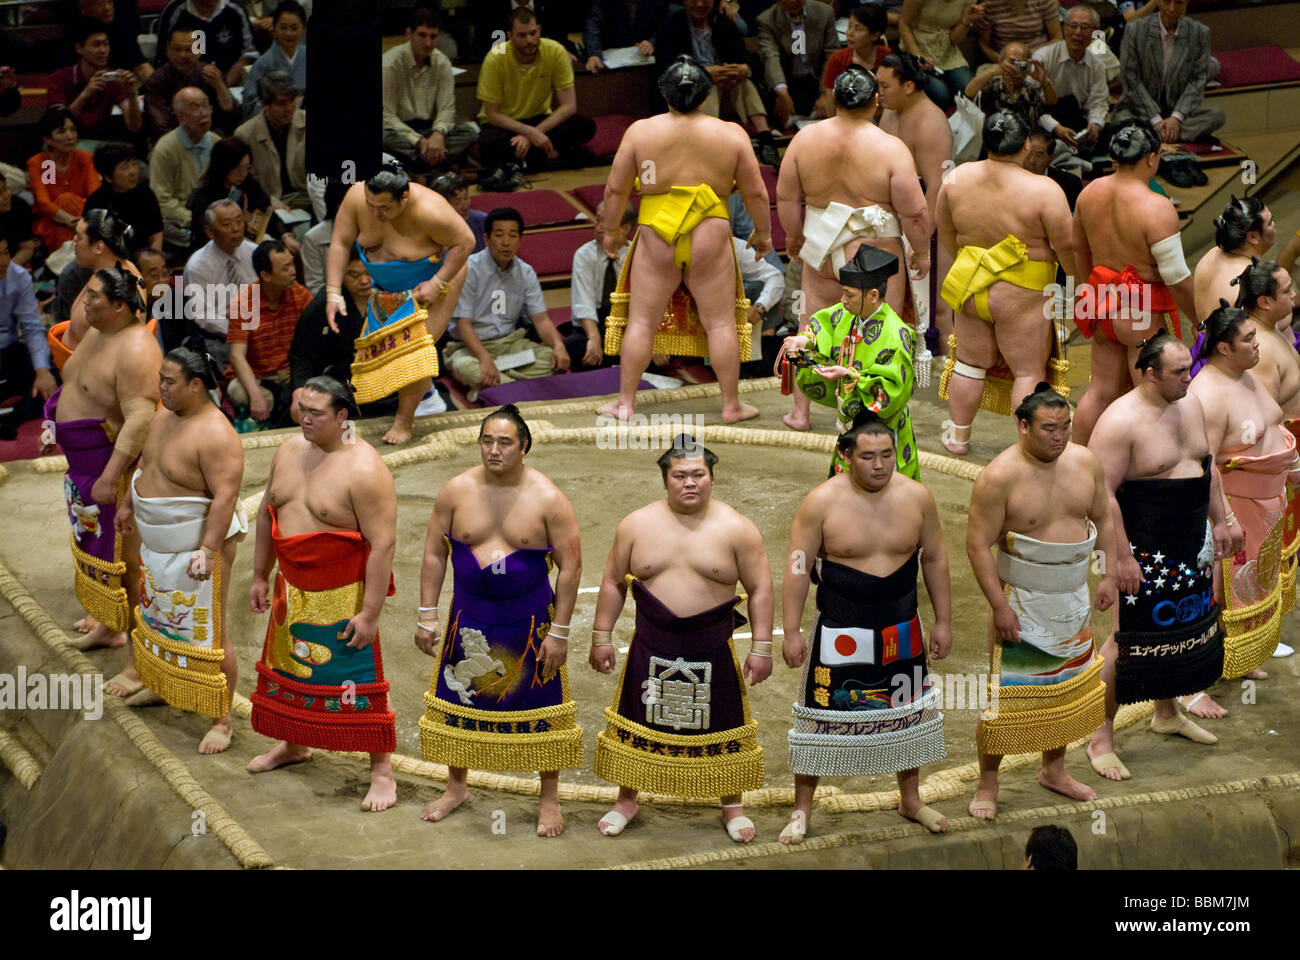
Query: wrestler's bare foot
1101,753
1065,784
145,698
955,438
451,798
400,431
741,411
796,422
1202,705
927,817
1257,674
100,636
660,360
85,624
626,810
984,806
281,755
744,833
550,821
796,829
615,409
124,684
382,793
218,737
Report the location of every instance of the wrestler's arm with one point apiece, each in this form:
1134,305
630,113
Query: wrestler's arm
1082,249
1112,446
221,461
1289,390
789,199
374,502
907,198
136,387
1287,258
938,582
618,188
263,552
943,216
451,231
756,577
1099,513
612,596
562,533
805,545
433,565
1215,429
1059,225
567,106
984,522
346,228
1162,222
749,181
933,147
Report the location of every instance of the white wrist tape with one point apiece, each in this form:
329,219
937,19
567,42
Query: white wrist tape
1168,254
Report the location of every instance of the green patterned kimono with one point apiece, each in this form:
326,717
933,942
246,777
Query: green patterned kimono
880,348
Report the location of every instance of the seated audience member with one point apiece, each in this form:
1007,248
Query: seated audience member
316,242
259,339
157,275
316,347
287,53
700,31
90,90
420,124
1165,63
1015,84
794,70
25,366
765,288
1051,848
122,26
277,137
124,194
227,33
1031,22
529,104
218,269
610,27
453,189
491,20
16,225
61,178
1079,79
483,327
184,69
932,31
864,46
178,158
229,176
1037,160
594,278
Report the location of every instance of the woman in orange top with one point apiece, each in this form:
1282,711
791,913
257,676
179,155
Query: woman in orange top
61,178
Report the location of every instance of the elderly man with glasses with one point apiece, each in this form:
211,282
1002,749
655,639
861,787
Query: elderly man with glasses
1079,77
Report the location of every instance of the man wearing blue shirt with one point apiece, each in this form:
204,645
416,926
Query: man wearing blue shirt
25,367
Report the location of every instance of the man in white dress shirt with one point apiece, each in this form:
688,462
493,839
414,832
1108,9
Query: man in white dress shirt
1079,77
216,272
594,277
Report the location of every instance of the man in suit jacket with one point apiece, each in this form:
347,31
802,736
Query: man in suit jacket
277,141
1165,62
793,69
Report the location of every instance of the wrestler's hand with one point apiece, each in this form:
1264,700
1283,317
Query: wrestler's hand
760,241
333,309
1236,540
427,640
124,518
941,640
1220,533
611,242
489,375
360,631
920,268
521,145
794,649
1106,593
1128,575
1006,624
560,360
259,593
103,491
793,244
553,653
602,658
201,565
757,669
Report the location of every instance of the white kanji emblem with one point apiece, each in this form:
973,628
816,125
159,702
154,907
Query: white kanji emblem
683,703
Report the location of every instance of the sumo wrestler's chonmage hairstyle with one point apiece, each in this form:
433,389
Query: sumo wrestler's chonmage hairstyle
1005,133
685,84
865,423
1256,281
1042,397
511,414
1221,326
855,88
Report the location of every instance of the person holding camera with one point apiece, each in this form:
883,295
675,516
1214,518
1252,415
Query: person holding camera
1017,84
91,91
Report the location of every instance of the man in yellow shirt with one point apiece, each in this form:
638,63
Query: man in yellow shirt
529,115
